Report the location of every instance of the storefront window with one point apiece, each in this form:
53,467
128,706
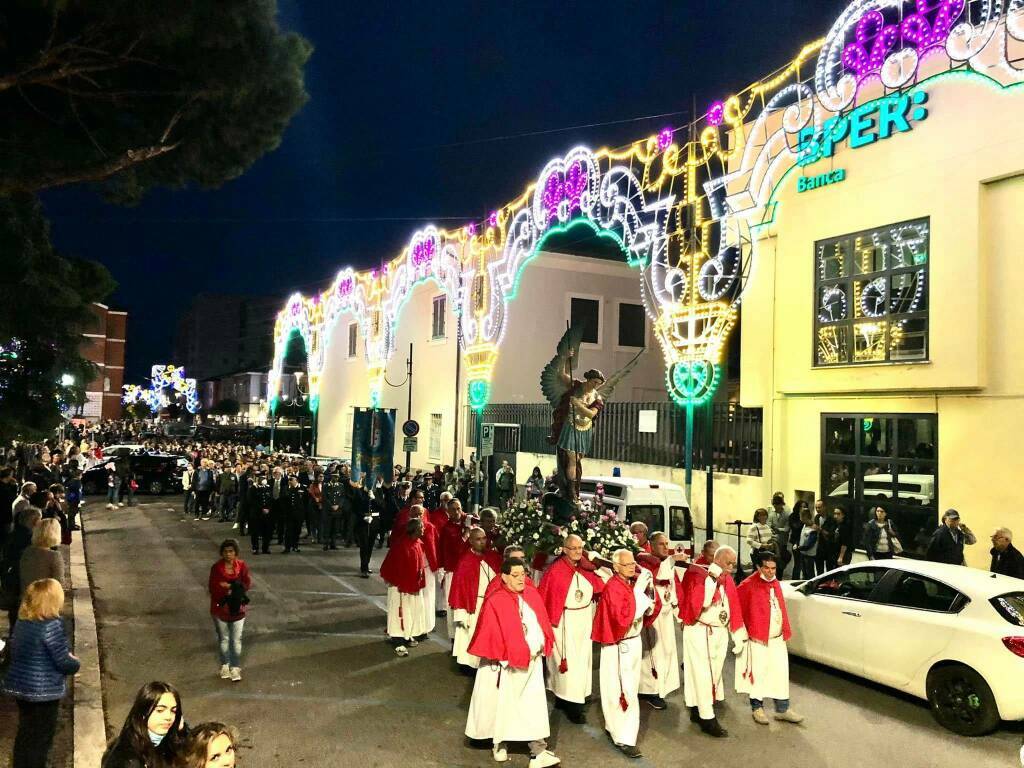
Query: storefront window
886,460
871,296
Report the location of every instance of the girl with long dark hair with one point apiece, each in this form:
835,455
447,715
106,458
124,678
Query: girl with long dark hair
153,734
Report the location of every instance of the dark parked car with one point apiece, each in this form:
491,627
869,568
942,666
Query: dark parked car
154,472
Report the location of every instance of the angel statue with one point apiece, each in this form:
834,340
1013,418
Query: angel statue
576,404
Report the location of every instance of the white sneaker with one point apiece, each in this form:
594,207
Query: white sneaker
111,506
545,759
499,753
225,672
236,674
120,504
234,527
402,651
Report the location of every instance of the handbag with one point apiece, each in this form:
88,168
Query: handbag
897,548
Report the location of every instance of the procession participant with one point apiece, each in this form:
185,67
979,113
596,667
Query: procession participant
439,519
621,612
451,546
489,522
295,503
659,671
404,570
762,669
439,515
569,591
332,514
512,635
639,532
429,539
475,571
261,517
707,553
710,611
415,498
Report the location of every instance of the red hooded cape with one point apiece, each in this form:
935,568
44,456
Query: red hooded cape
753,594
403,567
430,544
496,583
615,611
691,597
398,527
499,631
555,584
438,517
451,546
466,580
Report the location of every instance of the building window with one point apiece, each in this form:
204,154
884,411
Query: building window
586,313
353,335
436,422
632,325
883,460
349,423
106,383
871,296
437,325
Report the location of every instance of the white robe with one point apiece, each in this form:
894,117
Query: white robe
705,646
405,614
449,613
620,673
762,671
661,654
463,635
572,642
509,704
429,596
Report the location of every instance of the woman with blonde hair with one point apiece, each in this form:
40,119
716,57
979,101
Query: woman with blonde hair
211,745
42,560
40,661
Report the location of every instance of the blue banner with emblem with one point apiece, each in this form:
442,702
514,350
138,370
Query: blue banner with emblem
373,444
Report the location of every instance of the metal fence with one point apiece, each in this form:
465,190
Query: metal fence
732,444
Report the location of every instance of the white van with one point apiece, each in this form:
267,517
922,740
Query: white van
661,506
913,488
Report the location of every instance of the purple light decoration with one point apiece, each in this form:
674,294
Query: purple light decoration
559,187
924,34
552,195
345,286
664,139
471,228
875,39
423,252
295,308
716,114
492,220
575,183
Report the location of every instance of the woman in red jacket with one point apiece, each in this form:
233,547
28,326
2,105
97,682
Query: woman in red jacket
229,584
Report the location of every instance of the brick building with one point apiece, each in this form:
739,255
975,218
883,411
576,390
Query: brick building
104,346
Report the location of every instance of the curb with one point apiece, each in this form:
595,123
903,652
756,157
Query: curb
90,724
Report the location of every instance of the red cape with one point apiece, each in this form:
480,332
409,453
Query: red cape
403,566
430,545
615,611
466,580
451,546
496,583
499,631
645,547
438,517
398,527
753,594
691,597
555,583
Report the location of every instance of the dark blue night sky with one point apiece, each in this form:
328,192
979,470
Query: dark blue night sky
404,98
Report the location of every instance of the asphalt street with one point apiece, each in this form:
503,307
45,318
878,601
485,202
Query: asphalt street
321,686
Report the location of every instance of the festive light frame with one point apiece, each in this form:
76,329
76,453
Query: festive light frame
162,379
684,204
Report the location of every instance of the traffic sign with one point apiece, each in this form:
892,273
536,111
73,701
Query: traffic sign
486,439
409,444
411,428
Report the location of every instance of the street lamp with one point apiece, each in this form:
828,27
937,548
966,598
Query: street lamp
67,380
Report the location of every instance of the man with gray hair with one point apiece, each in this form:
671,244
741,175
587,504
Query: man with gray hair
710,612
626,601
1006,558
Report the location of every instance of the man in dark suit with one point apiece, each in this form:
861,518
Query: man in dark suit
278,496
1006,558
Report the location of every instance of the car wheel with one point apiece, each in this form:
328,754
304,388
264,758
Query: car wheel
156,488
961,700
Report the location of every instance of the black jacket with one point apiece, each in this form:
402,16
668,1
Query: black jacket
945,546
120,753
259,499
1008,563
295,500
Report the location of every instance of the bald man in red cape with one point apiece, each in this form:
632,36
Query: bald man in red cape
476,569
404,570
512,635
452,544
710,611
569,587
628,601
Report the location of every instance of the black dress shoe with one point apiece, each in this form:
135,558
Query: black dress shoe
655,702
629,751
364,574
326,547
694,715
713,728
266,551
577,716
296,549
334,546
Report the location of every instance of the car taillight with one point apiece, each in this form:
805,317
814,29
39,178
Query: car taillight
1015,644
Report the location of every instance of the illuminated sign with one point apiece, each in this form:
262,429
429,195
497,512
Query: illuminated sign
807,183
868,123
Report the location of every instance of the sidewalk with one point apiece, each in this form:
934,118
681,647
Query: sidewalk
81,734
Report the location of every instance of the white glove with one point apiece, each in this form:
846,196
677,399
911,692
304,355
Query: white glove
715,570
740,647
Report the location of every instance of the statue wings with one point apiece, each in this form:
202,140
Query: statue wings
551,383
606,390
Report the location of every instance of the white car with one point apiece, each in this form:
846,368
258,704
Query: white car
948,634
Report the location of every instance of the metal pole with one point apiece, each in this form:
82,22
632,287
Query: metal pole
688,451
408,407
479,460
273,423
